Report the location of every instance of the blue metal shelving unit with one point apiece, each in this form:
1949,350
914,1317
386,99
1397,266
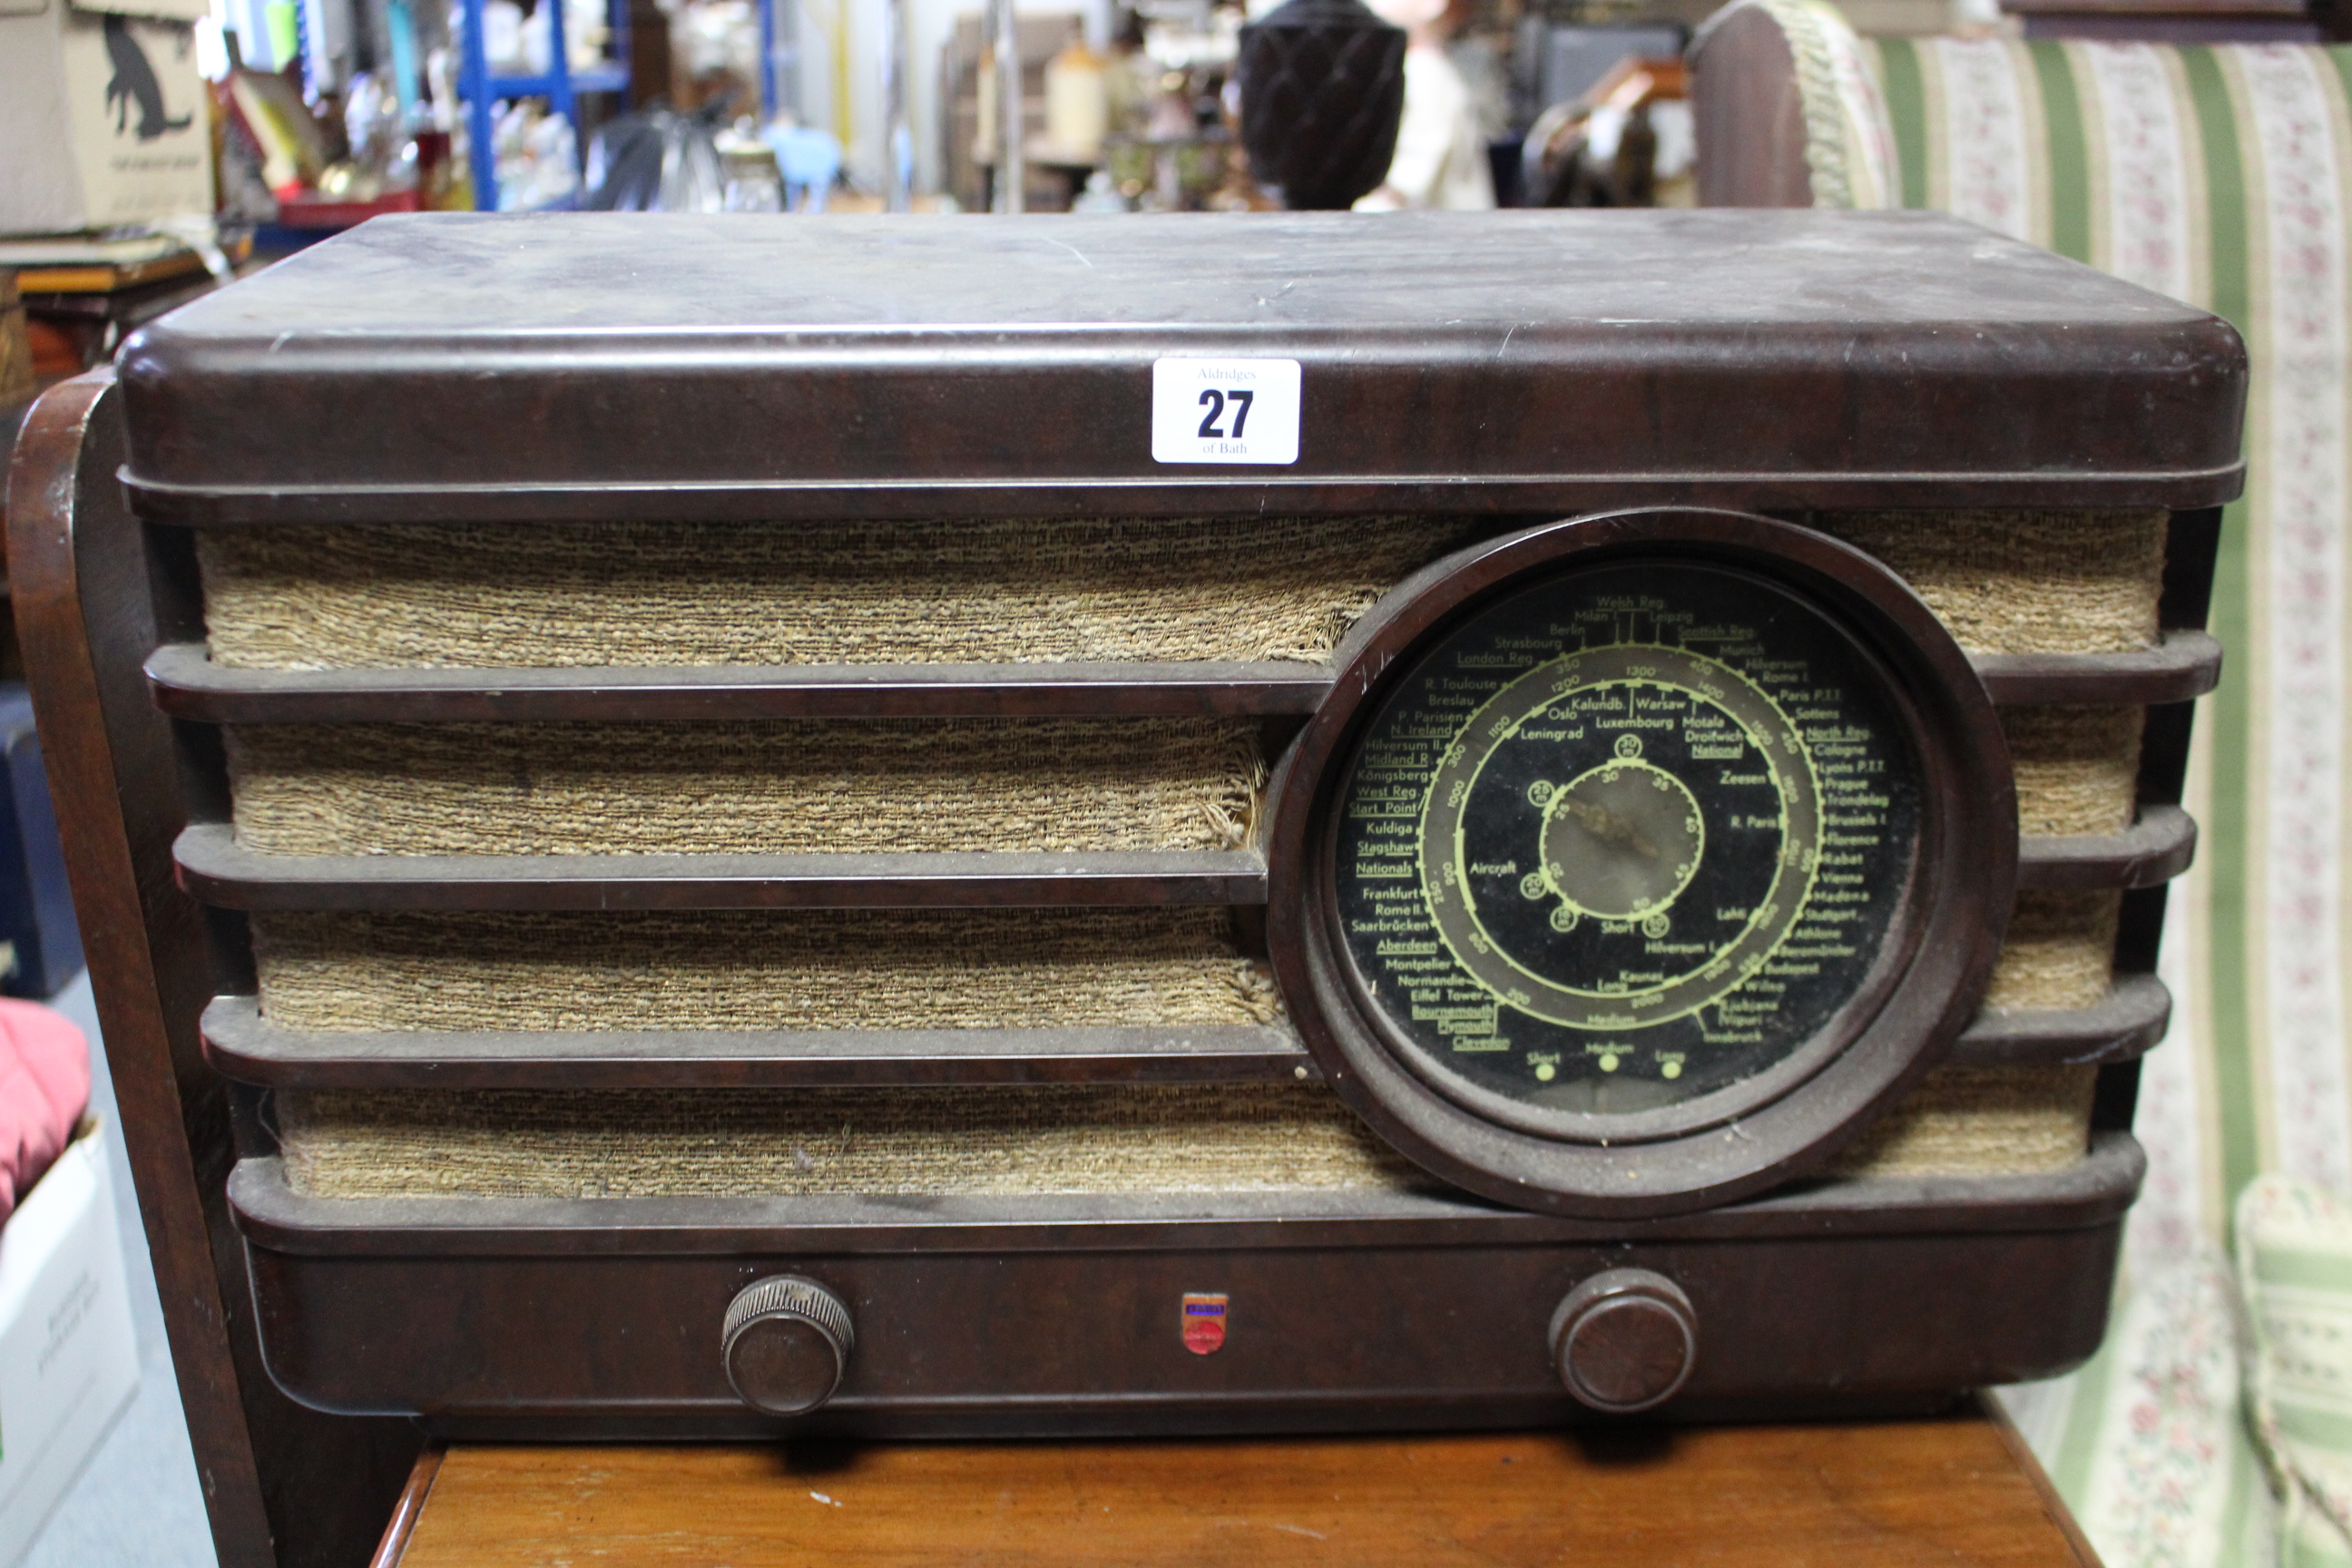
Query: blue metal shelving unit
559,84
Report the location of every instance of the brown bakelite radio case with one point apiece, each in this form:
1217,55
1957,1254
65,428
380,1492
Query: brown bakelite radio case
706,827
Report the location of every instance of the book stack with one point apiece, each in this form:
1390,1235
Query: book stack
96,264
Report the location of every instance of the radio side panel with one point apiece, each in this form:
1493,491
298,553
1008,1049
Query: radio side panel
283,1485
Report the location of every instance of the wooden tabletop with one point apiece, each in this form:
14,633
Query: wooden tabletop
1951,1492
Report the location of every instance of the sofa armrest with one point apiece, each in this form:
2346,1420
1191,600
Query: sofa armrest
1750,114
1789,109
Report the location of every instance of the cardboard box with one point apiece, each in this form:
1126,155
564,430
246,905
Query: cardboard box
68,1358
104,114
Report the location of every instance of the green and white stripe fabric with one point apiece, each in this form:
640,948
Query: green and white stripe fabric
2220,175
2148,1443
2294,1267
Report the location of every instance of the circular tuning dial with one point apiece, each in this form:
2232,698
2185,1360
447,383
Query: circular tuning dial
1636,861
1625,1339
787,1342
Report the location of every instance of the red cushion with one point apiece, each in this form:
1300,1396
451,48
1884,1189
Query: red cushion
43,1089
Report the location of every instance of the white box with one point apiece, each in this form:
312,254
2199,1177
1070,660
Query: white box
104,114
68,1358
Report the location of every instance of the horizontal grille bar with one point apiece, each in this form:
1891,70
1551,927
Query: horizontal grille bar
2183,665
2094,1190
2125,1024
213,868
187,685
244,1046
2155,848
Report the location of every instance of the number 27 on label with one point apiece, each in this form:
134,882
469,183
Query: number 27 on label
1224,410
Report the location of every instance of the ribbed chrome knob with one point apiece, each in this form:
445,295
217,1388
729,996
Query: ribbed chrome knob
787,1342
1625,1339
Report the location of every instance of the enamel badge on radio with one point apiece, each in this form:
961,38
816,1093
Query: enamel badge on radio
1070,824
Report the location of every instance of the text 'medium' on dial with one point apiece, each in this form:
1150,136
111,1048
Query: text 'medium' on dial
1636,876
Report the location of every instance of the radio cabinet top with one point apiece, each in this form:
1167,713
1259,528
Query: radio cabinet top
449,367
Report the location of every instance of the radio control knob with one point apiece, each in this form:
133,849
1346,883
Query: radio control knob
1625,1339
786,1342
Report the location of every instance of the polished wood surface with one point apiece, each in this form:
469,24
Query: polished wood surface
245,1046
976,370
1949,1492
188,685
216,869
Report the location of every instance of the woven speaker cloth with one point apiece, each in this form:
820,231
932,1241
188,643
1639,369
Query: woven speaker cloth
2007,1121
2023,582
818,969
960,590
950,1141
774,786
2077,768
2060,951
1019,589
782,786
521,1144
1042,968
885,969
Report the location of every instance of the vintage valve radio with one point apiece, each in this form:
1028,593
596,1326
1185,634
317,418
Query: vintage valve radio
1096,826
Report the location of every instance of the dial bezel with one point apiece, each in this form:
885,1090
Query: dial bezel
1921,989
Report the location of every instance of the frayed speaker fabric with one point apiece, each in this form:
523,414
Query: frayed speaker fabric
2077,768
2059,951
950,591
816,969
1024,589
942,1142
820,786
1980,1121
760,786
745,1142
498,595
2023,582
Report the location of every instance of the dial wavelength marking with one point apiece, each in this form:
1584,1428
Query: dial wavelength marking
1621,841
1625,839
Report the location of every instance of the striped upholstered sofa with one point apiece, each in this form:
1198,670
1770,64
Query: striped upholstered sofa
2220,175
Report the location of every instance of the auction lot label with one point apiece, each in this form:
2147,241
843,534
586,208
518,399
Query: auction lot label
1224,411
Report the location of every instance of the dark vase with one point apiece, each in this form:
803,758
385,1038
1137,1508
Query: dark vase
1322,90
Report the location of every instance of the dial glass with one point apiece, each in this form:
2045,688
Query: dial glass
1624,838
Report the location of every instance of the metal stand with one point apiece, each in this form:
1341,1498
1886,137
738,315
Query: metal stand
560,85
897,141
1011,176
